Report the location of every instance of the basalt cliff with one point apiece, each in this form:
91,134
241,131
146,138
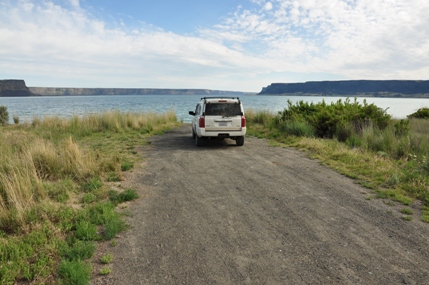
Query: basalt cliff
14,88
54,91
352,88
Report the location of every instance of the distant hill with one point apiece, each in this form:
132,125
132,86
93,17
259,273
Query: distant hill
14,88
353,88
18,88
54,91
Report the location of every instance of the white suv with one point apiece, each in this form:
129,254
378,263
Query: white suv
218,117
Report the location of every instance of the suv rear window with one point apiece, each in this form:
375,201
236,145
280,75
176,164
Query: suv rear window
223,109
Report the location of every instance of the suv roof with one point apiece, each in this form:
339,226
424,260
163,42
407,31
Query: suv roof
216,99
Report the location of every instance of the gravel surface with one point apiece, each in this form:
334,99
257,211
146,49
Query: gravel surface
257,214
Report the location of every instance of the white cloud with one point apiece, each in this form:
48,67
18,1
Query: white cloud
358,39
268,6
369,39
75,3
56,43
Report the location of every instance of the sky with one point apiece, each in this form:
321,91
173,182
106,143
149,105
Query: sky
236,45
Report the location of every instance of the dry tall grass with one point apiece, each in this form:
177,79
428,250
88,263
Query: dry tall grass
26,162
43,151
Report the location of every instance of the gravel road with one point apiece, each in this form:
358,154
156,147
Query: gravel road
257,214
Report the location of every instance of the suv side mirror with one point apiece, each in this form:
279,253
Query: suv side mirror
192,113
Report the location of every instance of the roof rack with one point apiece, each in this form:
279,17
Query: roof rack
220,97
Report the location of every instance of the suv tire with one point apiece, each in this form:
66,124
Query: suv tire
198,140
240,141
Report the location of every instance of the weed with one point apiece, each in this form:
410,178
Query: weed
125,166
59,190
407,211
105,270
100,213
113,177
86,231
92,185
112,227
89,198
107,258
407,218
78,250
75,272
127,195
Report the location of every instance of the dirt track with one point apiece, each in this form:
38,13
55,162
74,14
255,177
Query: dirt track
256,214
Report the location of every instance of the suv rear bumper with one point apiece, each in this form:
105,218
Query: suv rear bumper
222,134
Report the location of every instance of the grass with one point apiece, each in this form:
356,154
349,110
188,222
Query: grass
55,198
390,158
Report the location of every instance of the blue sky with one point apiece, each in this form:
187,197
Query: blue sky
240,45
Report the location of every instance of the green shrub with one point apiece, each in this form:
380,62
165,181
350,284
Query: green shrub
422,113
4,115
326,118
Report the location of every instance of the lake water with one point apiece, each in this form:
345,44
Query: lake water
26,108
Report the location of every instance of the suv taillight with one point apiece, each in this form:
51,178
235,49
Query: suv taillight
202,122
243,122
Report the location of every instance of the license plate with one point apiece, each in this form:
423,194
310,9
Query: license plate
222,124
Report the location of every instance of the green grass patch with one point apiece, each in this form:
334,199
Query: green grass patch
54,199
